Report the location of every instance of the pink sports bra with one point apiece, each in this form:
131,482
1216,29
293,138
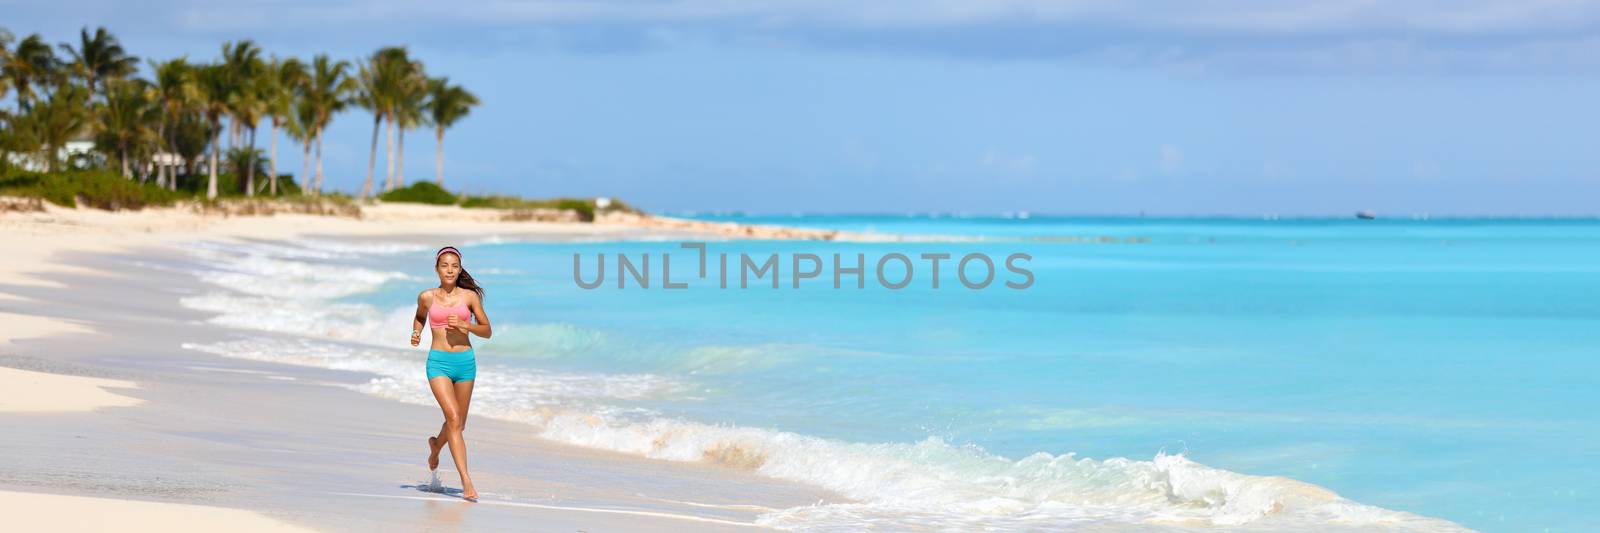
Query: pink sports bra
439,315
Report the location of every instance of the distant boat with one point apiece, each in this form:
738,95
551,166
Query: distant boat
1366,215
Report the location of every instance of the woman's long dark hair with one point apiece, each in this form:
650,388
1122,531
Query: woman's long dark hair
463,280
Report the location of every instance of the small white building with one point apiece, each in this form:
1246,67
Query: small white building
163,159
83,145
79,146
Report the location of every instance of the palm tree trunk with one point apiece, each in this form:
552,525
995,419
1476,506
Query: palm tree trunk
122,154
438,158
305,167
319,168
272,161
172,174
400,164
161,137
372,157
388,152
216,140
249,163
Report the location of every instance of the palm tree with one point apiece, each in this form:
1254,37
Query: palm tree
246,107
446,105
191,135
327,93
410,103
125,120
175,95
299,128
32,64
384,79
241,62
59,119
284,79
370,96
212,89
99,58
245,72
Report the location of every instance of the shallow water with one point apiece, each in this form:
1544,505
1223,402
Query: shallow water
1443,367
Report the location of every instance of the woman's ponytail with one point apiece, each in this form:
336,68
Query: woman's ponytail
465,281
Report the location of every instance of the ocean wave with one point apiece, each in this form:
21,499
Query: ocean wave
935,485
244,273
930,484
251,280
352,322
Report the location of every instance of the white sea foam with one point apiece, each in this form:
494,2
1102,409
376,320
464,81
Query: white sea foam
346,247
513,392
933,485
926,485
279,288
493,239
245,273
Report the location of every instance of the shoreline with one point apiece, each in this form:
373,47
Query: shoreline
294,446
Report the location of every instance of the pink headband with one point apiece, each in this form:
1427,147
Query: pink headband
445,250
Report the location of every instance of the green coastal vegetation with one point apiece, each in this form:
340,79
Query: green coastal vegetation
424,192
88,127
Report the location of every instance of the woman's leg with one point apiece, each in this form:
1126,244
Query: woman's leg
463,390
445,393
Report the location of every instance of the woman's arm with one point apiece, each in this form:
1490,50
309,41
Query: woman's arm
481,328
420,319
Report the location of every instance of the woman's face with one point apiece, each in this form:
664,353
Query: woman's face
448,267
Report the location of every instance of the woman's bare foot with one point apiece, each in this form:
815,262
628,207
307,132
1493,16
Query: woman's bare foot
467,490
434,445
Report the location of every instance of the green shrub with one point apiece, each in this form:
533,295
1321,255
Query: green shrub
422,192
585,207
231,186
196,183
494,202
102,189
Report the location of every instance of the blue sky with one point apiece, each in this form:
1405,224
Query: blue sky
1073,107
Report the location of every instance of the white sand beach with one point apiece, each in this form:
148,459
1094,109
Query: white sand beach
51,512
41,392
123,426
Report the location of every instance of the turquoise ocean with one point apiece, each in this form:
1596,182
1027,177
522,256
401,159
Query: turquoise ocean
1159,373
